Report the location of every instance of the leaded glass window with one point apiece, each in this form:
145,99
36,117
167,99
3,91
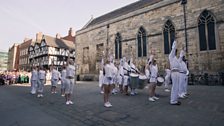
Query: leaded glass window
206,28
169,36
118,46
141,42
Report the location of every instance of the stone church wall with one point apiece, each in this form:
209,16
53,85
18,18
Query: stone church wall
152,19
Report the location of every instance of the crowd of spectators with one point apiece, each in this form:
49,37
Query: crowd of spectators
17,77
14,77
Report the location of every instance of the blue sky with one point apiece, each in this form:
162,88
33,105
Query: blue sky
24,18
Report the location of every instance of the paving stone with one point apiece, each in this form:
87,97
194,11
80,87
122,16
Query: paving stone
204,107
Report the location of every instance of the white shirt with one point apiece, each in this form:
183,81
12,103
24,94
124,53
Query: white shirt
183,67
70,71
63,74
34,75
121,71
133,68
147,73
108,70
126,68
174,63
114,69
42,74
153,71
55,74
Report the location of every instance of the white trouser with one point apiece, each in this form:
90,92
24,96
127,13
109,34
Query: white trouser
114,78
54,82
185,85
33,86
101,77
120,80
41,86
175,87
63,83
167,81
69,86
182,80
126,80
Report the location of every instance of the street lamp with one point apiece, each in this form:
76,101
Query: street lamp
107,43
184,2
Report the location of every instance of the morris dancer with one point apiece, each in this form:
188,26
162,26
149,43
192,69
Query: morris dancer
183,76
153,79
126,68
42,80
101,76
108,81
34,78
135,70
147,72
167,79
70,80
186,82
63,80
114,78
121,75
55,75
175,75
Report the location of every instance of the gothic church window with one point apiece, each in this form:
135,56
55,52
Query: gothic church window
141,42
206,28
85,55
99,53
169,36
118,46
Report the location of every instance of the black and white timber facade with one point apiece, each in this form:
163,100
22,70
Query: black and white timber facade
51,51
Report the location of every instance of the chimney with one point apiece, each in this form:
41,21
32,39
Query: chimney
39,36
58,36
26,39
70,32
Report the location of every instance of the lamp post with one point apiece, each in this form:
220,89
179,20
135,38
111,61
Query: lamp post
107,43
184,2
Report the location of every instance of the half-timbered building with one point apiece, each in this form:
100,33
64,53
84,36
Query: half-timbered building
51,51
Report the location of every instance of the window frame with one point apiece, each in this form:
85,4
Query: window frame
206,32
171,26
143,34
118,46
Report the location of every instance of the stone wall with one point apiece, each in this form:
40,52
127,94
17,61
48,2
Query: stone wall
153,18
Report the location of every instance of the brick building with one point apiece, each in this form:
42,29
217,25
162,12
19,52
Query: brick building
3,61
23,55
13,57
70,36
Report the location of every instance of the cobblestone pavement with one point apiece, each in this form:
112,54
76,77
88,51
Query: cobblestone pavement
204,107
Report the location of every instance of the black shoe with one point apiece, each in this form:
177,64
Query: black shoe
127,94
178,103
